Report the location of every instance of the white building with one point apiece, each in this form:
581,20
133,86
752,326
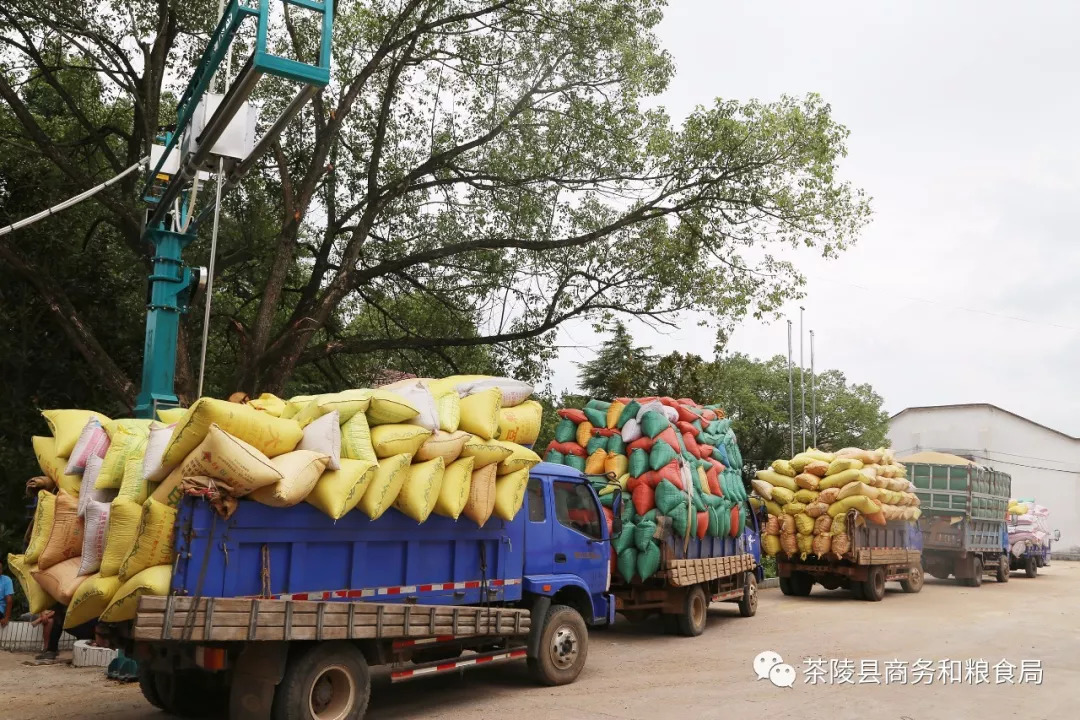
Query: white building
1044,463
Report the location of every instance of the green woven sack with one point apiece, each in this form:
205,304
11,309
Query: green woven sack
627,508
654,423
626,563
595,404
554,456
679,518
668,497
607,500
714,523
648,561
647,517
597,417
575,461
638,463
643,533
625,539
661,455
596,442
616,445
565,431
628,413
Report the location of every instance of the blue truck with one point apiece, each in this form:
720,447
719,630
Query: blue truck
281,612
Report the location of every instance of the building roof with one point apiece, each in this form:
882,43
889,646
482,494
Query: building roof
932,457
986,406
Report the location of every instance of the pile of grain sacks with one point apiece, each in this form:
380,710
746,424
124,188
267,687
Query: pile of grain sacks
1027,526
453,446
676,463
808,499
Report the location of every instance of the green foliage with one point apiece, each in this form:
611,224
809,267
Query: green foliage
619,369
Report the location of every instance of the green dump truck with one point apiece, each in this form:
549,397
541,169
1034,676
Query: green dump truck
963,520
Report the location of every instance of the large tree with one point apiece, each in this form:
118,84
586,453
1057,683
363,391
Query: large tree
477,173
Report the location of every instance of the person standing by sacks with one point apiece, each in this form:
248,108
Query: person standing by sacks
7,597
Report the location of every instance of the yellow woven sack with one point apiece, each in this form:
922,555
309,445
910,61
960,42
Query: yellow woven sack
61,580
389,408
510,493
347,403
36,597
773,508
300,471
339,491
807,481
584,433
134,484
839,524
480,413
420,491
442,444
858,488
270,404
777,480
238,467
126,437
613,412
618,465
397,439
53,465
806,496
385,485
782,495
857,502
804,524
481,501
522,458
120,535
771,544
153,540
356,439
794,508
448,406
171,415
270,435
43,522
521,424
454,492
784,468
295,404
840,479
154,580
66,536
805,543
90,599
822,544
485,452
594,464
839,465
66,425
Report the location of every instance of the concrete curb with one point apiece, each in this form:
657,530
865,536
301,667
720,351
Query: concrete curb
769,583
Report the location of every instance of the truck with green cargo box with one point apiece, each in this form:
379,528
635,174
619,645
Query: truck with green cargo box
963,520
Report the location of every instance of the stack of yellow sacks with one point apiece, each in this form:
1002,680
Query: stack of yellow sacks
808,498
451,446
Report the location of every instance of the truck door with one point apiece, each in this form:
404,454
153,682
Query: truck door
539,555
577,537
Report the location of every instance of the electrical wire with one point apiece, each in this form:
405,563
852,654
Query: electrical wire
70,201
972,453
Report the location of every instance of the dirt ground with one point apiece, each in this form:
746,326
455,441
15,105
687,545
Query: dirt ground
636,672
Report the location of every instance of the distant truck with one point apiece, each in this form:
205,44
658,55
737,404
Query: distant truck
1030,539
963,521
694,573
878,554
280,612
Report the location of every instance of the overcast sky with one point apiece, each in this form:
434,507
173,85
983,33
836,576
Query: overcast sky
963,119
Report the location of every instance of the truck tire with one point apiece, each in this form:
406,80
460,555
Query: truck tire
1030,568
874,587
695,613
856,588
148,686
748,603
1040,561
329,680
801,584
564,645
189,693
914,581
1003,569
976,579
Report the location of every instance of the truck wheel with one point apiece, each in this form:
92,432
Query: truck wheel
327,681
148,685
914,581
977,578
190,693
801,584
1040,561
1003,569
564,645
748,603
856,588
874,587
1031,569
695,613
785,586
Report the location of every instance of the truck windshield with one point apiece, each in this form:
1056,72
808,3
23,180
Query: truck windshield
576,509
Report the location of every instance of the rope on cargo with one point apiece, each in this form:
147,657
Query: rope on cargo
70,202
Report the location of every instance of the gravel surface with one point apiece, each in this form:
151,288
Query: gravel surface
636,672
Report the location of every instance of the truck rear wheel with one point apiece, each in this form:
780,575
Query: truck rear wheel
977,577
189,693
914,581
327,681
1003,569
564,645
874,587
749,601
148,686
695,613
799,584
1030,568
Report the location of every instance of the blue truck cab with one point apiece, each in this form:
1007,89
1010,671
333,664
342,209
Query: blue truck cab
544,577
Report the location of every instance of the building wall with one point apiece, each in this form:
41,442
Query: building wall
1044,465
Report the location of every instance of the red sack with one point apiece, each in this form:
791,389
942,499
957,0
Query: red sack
687,401
705,451
717,465
691,444
685,427
734,521
686,414
610,517
670,437
670,472
604,432
633,482
569,448
573,414
708,414
713,477
644,443
702,524
624,401
651,479
644,499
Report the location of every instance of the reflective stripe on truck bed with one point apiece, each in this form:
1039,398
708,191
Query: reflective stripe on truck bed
498,656
393,591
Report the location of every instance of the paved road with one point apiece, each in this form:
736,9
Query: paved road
636,672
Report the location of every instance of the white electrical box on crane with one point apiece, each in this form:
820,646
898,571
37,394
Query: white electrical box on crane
236,141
